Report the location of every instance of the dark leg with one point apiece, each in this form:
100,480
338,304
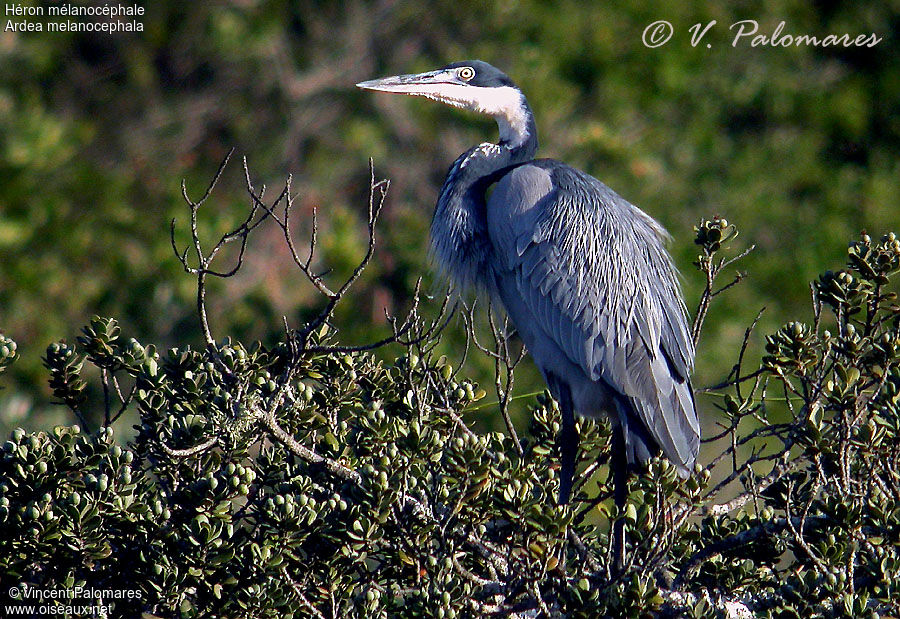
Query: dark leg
568,443
619,465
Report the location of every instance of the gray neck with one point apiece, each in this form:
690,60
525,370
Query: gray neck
459,241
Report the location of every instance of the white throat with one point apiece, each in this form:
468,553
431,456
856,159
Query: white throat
504,103
507,106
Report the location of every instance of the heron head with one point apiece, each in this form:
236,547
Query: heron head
473,85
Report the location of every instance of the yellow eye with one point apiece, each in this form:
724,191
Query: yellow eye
466,73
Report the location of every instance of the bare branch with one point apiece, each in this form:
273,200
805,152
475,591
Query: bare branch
779,471
190,451
295,587
711,270
504,372
284,222
283,437
739,539
212,183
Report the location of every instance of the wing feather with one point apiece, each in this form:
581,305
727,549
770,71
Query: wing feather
592,271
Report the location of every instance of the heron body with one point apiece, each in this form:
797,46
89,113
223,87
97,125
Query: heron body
583,275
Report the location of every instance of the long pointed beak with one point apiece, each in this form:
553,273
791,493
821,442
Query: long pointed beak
414,84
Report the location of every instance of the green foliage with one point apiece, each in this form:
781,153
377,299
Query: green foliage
711,234
8,354
65,366
822,539
427,518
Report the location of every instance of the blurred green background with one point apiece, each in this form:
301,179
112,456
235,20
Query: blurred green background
797,146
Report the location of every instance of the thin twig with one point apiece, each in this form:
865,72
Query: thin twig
737,540
295,587
779,471
190,451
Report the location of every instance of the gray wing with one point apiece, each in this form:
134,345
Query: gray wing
593,273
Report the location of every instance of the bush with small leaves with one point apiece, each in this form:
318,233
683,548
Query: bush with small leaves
8,354
821,529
